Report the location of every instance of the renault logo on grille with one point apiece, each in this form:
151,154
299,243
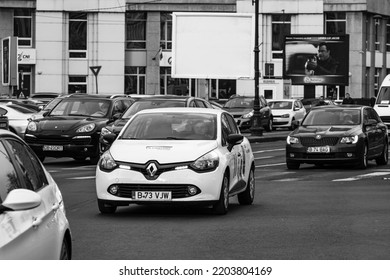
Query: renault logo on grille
318,137
151,169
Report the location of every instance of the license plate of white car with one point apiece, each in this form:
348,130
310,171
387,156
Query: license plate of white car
53,148
152,195
324,149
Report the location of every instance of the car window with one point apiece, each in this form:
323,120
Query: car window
372,114
192,104
32,172
333,117
200,103
150,104
232,124
8,176
226,130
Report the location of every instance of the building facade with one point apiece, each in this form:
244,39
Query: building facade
53,45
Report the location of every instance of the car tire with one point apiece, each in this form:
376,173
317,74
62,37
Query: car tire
79,158
293,126
222,206
292,165
105,208
269,126
65,250
384,157
247,196
363,162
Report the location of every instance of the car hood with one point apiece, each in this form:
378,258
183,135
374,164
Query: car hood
141,151
326,130
66,123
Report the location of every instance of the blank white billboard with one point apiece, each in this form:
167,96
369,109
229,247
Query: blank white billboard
213,46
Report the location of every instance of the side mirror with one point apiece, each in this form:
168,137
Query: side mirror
117,116
45,113
234,139
21,199
110,138
371,122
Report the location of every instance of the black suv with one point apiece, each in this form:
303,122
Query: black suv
150,102
72,128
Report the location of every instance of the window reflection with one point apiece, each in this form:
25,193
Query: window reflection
9,179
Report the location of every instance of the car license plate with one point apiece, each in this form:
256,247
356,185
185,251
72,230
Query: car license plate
3,125
324,149
53,148
152,196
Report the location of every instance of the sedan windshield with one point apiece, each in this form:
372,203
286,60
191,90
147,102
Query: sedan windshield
239,103
79,107
173,126
332,117
280,105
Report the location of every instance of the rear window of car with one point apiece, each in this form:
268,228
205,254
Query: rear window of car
150,104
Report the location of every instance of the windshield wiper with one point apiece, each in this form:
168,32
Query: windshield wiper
78,115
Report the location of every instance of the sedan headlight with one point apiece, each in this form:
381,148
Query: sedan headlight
285,116
248,116
32,126
292,140
105,131
86,128
107,162
208,162
349,139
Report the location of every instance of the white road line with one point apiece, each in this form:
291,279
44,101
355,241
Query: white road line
78,167
266,151
82,178
264,157
288,180
359,177
273,164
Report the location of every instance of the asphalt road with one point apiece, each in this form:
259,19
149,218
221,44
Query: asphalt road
307,214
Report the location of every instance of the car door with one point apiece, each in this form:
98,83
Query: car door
36,230
380,131
299,111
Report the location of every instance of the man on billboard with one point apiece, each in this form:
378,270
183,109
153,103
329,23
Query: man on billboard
323,64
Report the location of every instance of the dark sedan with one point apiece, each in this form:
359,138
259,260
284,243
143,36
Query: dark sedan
338,134
72,128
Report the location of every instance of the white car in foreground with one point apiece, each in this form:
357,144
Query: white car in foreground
176,155
288,113
33,224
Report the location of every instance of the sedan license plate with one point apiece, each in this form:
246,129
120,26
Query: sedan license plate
53,148
152,196
324,149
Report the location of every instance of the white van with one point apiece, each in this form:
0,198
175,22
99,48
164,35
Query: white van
382,103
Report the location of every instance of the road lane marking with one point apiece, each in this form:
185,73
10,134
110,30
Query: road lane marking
363,176
272,164
82,178
287,180
264,157
266,151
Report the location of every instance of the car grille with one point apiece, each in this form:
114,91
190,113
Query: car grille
324,141
127,190
320,156
58,141
385,119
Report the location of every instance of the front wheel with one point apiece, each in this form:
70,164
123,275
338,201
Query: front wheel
269,126
293,165
362,163
384,157
105,208
247,196
221,207
65,250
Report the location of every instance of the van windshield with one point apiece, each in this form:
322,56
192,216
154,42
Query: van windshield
383,96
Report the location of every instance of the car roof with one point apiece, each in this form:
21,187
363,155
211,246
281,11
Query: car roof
183,110
340,107
95,96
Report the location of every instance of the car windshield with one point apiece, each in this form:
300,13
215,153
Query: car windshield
383,96
172,126
150,104
332,117
239,103
280,105
80,107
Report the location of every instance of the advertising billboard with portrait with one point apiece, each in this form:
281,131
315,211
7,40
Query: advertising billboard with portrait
316,59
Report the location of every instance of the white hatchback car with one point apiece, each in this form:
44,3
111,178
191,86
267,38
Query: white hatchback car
33,224
176,155
287,112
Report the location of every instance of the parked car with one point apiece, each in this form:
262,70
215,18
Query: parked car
176,155
21,102
338,134
149,102
241,107
287,113
49,106
44,97
72,128
3,119
309,103
18,117
33,224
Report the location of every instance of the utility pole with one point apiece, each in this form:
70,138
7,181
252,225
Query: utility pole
256,129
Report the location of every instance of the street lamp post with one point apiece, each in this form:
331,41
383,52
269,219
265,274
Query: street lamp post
256,129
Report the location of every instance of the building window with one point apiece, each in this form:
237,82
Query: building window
22,27
281,26
135,30
335,23
77,84
169,85
388,35
166,31
135,80
77,35
377,24
222,89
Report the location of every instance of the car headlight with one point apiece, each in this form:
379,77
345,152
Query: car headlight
248,116
86,128
285,116
349,139
208,162
105,131
107,162
32,126
292,140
